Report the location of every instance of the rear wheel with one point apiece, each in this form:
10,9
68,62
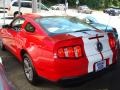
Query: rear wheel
29,71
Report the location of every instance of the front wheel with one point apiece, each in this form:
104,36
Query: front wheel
29,71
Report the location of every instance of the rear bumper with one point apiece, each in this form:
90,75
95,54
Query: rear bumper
62,69
69,69
76,76
86,77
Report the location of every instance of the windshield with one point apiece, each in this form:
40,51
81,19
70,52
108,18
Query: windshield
66,24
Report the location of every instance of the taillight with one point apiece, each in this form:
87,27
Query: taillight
78,51
61,52
70,52
112,40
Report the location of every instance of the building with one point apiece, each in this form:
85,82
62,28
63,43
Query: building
7,2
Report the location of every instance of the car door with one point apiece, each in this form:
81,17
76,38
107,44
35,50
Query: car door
14,34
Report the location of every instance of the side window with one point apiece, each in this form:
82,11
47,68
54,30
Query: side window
29,27
26,4
15,4
16,24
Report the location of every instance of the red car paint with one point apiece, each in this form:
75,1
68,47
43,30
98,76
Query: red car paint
42,49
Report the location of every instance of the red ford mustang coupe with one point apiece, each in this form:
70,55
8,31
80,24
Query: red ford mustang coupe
57,47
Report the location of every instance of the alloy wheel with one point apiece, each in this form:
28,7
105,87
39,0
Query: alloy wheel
28,69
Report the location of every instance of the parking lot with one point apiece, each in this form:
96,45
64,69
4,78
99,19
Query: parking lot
108,80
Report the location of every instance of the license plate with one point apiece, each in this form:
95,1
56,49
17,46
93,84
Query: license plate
100,65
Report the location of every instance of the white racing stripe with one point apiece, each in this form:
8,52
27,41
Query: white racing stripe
107,52
92,53
90,47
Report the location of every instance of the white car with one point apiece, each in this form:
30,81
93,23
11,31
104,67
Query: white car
26,7
58,7
84,9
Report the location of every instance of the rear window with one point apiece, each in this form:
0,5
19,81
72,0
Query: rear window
56,25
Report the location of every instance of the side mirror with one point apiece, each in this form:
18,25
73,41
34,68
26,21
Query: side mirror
6,26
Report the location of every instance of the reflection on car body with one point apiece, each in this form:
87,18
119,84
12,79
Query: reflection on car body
92,21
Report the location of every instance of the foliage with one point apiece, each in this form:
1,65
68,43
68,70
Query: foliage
95,4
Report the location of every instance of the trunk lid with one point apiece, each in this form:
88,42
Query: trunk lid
94,42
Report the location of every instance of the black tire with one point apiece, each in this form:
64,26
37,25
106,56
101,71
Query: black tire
29,70
2,47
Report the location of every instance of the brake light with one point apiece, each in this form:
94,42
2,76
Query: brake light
78,51
112,40
61,52
70,52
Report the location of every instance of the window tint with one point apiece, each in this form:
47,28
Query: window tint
26,4
30,28
15,4
57,25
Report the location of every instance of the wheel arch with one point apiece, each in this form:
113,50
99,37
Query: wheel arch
22,52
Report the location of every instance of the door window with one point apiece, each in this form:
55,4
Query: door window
29,27
16,24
